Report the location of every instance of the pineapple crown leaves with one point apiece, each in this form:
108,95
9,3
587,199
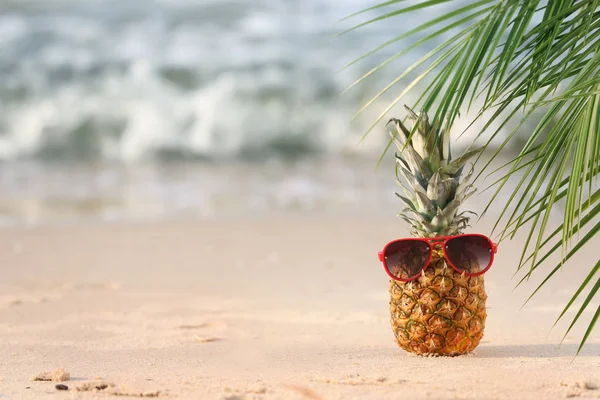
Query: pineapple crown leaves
426,149
434,187
440,190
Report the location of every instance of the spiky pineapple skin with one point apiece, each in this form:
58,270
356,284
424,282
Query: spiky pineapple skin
442,313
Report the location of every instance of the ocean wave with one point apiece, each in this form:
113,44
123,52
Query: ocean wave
105,80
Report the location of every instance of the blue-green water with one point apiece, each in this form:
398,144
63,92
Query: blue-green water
154,108
220,80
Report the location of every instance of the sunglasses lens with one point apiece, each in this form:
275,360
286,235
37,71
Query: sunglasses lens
405,259
471,254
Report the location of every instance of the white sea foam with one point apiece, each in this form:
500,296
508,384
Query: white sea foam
121,83
223,79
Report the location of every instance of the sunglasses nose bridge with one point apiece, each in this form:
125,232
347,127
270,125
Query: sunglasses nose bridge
434,241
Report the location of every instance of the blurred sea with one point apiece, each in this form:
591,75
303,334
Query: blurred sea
154,108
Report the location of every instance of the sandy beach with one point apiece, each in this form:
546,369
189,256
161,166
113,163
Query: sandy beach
285,308
190,208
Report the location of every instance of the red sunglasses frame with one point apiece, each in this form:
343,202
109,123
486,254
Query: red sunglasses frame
431,242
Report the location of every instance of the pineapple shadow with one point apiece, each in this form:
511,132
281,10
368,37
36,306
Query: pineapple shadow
536,351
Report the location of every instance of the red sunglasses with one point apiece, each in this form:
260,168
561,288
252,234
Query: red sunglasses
405,259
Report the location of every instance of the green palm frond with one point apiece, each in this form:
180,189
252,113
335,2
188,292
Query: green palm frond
512,61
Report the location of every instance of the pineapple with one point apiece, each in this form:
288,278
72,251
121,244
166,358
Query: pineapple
442,312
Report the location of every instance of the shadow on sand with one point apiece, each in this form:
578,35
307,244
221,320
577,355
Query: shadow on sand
486,350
